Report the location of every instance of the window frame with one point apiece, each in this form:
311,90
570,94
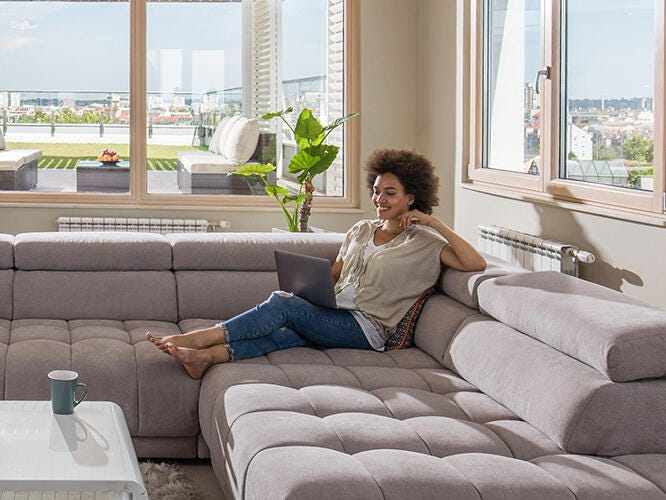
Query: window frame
548,186
140,198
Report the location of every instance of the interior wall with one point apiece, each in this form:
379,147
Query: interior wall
388,118
629,255
436,118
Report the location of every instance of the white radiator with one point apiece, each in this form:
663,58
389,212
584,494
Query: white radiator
125,224
531,252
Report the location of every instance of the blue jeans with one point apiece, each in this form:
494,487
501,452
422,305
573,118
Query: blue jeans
281,322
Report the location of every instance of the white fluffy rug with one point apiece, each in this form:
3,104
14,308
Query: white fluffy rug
165,481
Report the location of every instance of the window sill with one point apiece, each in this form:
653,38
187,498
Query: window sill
226,203
588,207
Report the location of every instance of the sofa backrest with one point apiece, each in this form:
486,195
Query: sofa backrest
122,276
219,275
550,347
6,275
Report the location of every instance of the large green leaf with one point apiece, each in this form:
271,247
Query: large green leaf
339,121
260,169
312,160
268,116
274,190
308,129
302,161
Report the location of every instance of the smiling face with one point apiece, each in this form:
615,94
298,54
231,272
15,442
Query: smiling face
389,197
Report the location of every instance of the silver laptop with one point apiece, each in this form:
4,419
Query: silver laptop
306,276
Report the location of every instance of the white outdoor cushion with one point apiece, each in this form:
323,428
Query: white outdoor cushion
206,164
214,145
224,134
242,141
2,140
13,159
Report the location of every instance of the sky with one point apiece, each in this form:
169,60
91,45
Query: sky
198,46
597,29
191,46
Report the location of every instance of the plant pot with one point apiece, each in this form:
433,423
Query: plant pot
311,229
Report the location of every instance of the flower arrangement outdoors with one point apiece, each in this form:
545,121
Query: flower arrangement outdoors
313,157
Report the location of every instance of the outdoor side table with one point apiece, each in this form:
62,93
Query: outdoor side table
95,176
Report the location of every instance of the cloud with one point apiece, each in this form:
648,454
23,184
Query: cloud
22,25
11,44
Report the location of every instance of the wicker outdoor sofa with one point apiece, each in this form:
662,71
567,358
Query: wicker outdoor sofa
18,167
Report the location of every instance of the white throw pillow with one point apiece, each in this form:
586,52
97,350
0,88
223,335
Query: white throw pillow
2,140
214,144
242,141
224,133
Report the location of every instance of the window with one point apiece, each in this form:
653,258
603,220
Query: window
151,79
567,100
64,88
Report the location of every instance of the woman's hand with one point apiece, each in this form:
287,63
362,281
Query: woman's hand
415,217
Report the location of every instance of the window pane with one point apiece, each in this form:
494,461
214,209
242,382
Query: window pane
303,71
608,135
64,95
511,108
194,79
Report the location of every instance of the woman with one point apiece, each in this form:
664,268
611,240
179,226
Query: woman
383,267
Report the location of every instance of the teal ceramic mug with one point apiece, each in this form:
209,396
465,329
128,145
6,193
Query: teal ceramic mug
64,384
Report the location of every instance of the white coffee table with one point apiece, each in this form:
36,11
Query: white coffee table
88,451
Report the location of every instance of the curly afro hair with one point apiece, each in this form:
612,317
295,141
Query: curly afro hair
415,172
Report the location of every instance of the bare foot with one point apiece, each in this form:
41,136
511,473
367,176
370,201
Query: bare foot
195,361
198,339
160,342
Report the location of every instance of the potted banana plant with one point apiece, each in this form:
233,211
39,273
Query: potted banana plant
312,158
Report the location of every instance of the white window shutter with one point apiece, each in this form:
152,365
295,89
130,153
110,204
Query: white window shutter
264,78
335,103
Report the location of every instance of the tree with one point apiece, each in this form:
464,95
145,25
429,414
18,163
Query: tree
604,153
638,149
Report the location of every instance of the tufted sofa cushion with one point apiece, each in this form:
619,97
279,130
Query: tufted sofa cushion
338,423
347,402
116,362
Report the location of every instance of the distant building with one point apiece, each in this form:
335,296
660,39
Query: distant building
178,101
531,99
579,141
210,101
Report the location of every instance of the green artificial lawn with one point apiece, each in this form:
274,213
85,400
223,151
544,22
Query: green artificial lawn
59,155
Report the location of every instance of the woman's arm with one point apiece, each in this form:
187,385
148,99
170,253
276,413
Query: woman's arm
458,254
336,269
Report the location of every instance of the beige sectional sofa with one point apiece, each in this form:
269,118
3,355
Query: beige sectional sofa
521,385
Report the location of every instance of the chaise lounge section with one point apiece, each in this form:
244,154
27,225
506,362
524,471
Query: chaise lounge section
520,385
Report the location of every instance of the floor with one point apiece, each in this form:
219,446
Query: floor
201,472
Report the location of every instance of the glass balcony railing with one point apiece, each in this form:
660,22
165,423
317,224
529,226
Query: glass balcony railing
93,115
